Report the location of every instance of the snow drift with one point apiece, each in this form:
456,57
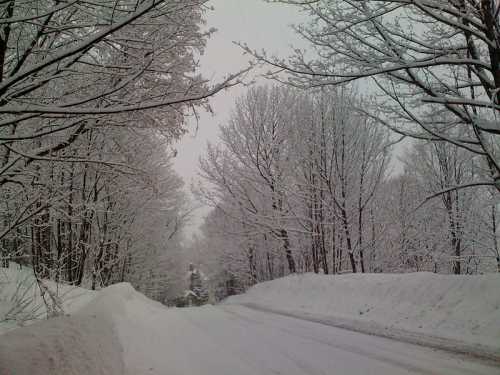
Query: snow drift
104,335
62,346
84,343
21,302
421,307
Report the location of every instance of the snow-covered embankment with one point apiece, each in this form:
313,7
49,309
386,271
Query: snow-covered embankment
460,313
84,342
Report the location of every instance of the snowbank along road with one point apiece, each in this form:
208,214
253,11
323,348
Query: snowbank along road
227,339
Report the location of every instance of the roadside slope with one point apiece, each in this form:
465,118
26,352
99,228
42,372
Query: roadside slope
21,301
66,345
459,313
84,342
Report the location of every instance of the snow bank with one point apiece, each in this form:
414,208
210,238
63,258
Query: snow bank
62,346
21,302
143,326
452,307
86,342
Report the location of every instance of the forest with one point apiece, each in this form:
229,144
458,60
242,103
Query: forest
301,183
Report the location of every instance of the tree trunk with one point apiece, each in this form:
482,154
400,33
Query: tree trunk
334,249
288,251
348,239
251,265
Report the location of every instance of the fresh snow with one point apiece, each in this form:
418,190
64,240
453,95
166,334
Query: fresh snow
121,332
460,308
21,302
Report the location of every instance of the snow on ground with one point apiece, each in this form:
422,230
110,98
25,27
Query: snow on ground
458,308
21,302
121,332
84,343
236,340
76,345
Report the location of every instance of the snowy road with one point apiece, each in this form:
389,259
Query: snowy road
236,340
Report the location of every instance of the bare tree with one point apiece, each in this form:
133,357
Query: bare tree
92,95
252,168
70,68
298,169
436,63
440,165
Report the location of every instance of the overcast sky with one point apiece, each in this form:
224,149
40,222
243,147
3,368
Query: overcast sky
261,26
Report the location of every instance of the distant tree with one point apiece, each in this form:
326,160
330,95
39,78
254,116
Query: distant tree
293,182
197,290
440,165
251,164
452,232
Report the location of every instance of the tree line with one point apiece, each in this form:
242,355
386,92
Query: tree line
303,181
93,95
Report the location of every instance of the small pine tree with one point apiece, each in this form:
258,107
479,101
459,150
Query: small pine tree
196,287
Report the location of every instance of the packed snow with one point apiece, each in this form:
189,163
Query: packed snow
420,307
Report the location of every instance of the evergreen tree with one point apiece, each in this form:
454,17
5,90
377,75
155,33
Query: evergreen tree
197,291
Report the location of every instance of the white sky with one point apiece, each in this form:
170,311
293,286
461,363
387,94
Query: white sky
261,26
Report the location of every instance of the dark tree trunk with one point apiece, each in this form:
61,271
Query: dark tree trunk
334,248
251,265
348,240
288,252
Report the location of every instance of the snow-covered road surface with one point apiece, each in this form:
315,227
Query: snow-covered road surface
237,340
